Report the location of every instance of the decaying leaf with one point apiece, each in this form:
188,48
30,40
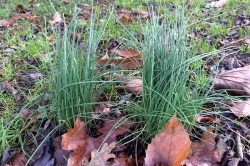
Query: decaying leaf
170,146
241,109
8,23
124,160
66,1
118,127
219,3
100,157
207,118
130,62
77,140
124,19
133,84
5,23
236,80
247,40
19,159
204,152
56,18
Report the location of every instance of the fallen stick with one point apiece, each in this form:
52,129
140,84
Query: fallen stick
238,145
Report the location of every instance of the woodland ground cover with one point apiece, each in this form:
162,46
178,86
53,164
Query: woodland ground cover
124,83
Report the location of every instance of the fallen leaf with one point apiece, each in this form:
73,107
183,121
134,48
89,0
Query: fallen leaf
234,162
236,81
204,152
126,63
56,18
100,157
133,84
76,139
66,1
241,109
219,3
124,160
205,118
19,159
19,8
118,127
247,40
170,146
5,23
124,19
127,53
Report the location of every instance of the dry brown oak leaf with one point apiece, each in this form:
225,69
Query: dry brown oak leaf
204,152
100,157
77,140
170,146
236,80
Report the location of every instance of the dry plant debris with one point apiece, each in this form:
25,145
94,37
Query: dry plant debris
236,80
131,59
77,140
204,152
170,146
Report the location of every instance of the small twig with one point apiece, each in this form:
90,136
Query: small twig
238,145
234,42
244,17
136,142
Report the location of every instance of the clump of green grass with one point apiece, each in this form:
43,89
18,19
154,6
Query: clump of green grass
73,70
169,84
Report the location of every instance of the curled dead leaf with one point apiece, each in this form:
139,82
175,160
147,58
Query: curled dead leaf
207,118
170,146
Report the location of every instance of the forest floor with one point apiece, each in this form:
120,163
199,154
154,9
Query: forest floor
30,133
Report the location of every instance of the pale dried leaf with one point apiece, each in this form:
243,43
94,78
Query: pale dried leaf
170,146
100,157
247,40
56,18
66,1
133,84
241,109
219,3
236,79
5,23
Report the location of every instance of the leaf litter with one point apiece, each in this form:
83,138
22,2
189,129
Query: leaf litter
130,59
